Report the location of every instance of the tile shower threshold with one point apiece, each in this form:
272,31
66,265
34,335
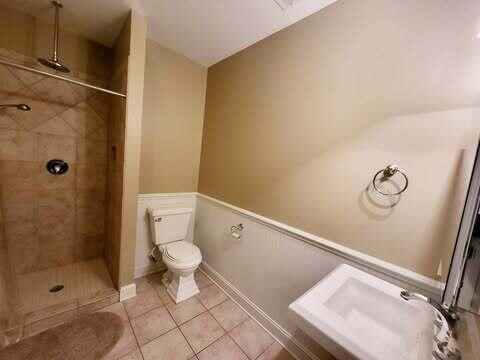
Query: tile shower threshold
54,315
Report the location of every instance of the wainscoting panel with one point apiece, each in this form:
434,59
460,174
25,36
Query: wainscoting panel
270,268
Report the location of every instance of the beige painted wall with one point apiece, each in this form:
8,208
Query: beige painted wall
297,125
173,111
133,129
29,36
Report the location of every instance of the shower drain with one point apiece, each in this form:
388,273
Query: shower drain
56,288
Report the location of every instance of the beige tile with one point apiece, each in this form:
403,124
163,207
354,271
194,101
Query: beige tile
162,293
134,355
117,309
142,284
91,177
17,145
55,126
124,346
98,135
211,296
55,251
56,147
16,176
23,245
6,122
88,246
223,348
100,103
201,280
276,352
57,94
39,114
57,204
8,82
90,220
97,304
170,346
86,199
251,338
185,310
143,302
26,77
50,311
152,324
201,331
228,314
48,181
89,151
83,119
155,279
42,325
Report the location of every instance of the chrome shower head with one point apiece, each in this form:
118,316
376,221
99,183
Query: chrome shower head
21,107
54,62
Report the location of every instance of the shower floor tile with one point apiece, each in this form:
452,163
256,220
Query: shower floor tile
80,280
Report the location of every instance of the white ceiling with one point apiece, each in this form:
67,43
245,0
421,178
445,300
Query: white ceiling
206,31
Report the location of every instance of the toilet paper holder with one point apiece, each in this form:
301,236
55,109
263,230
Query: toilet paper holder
236,230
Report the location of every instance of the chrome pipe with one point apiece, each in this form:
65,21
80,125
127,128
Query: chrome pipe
62,78
57,6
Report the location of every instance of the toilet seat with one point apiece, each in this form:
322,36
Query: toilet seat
181,255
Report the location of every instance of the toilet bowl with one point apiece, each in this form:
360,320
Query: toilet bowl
182,259
169,227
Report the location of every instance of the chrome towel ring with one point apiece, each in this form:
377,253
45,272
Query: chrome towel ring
388,172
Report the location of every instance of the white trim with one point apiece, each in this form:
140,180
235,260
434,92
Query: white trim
373,263
128,292
295,348
166,195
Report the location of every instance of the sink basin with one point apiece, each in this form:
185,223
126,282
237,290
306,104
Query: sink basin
355,315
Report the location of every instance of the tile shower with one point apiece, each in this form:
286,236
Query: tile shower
52,228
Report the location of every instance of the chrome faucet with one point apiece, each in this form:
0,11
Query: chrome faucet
445,348
450,316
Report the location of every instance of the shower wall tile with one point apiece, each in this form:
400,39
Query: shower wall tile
88,246
28,120
91,152
8,82
17,145
47,220
55,126
83,119
58,94
56,147
91,177
48,181
6,122
23,245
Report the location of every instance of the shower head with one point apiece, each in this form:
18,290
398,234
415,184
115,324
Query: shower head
21,107
53,62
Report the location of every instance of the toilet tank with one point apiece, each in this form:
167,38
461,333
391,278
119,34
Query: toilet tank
169,224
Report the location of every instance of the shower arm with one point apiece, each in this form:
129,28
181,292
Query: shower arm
56,30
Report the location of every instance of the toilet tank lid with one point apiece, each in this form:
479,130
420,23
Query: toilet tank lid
155,212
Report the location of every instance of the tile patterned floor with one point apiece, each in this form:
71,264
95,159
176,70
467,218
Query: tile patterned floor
151,326
208,326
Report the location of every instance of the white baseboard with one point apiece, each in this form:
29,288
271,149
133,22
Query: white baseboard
128,292
299,351
148,269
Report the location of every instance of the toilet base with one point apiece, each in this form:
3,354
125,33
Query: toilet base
180,287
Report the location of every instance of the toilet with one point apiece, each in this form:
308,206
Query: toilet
169,229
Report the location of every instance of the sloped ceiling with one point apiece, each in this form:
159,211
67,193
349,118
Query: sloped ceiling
206,31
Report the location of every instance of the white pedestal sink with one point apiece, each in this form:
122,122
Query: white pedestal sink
355,315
